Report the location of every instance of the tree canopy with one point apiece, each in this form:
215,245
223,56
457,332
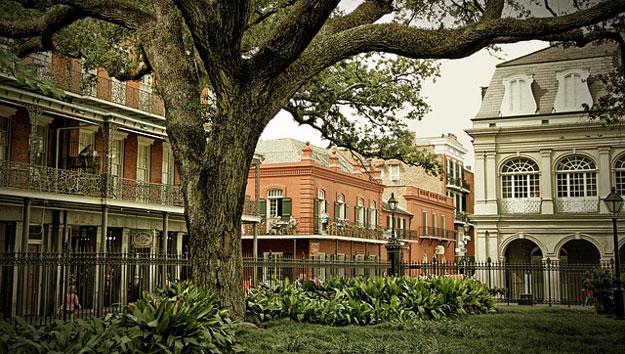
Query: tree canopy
322,62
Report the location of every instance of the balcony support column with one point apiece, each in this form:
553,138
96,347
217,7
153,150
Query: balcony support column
165,246
25,225
545,182
34,112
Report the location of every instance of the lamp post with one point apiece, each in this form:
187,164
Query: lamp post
614,203
393,247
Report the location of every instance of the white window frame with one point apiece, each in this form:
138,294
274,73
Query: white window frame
146,144
372,212
394,172
580,95
340,199
585,178
619,175
520,179
521,101
274,196
167,166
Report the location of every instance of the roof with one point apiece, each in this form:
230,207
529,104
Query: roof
542,66
290,150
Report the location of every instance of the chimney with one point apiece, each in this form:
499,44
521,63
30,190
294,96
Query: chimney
307,152
334,160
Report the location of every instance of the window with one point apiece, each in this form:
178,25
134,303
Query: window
381,171
576,177
167,174
4,138
573,91
394,172
619,175
143,163
41,145
340,207
518,97
275,202
373,220
360,211
520,179
86,141
425,220
117,157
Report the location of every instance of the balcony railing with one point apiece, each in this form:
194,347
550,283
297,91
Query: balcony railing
519,205
436,232
458,183
577,205
462,217
52,180
91,85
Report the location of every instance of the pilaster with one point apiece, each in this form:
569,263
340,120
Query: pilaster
604,178
546,190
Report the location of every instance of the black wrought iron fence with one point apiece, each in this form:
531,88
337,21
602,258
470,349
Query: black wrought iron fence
41,287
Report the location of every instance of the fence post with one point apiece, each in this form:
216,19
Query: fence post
488,261
549,279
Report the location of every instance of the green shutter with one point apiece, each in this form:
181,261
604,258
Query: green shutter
337,210
377,217
316,221
346,212
262,209
286,209
356,215
328,208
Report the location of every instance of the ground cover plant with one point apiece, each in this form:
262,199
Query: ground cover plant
180,318
365,301
513,329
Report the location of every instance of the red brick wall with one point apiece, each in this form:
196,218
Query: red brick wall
130,156
156,162
19,136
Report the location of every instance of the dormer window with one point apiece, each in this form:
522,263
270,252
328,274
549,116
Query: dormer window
573,91
518,98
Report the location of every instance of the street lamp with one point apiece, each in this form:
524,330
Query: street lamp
392,203
393,247
614,203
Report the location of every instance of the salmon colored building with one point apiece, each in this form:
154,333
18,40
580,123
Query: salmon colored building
314,203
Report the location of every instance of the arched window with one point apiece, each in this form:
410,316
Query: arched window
516,95
520,179
373,218
619,175
340,207
360,211
572,87
576,177
321,195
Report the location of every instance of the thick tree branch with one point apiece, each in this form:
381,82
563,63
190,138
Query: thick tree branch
119,12
437,44
366,13
287,41
262,16
52,21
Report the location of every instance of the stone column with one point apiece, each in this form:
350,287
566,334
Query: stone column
123,288
491,178
164,244
179,253
546,180
604,178
25,225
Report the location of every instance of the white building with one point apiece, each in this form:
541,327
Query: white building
542,168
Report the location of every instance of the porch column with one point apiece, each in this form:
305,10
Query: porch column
34,112
102,250
164,248
25,224
179,253
123,288
98,290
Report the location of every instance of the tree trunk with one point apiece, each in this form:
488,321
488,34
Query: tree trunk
214,193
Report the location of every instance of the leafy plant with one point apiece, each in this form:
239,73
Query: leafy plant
364,301
180,318
601,282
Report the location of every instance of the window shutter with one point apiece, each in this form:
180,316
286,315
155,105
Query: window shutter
316,220
262,209
356,218
328,208
388,221
337,210
286,209
377,217
346,212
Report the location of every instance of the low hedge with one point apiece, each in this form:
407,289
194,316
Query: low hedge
364,301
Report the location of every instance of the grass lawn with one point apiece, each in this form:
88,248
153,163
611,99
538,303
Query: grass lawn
510,330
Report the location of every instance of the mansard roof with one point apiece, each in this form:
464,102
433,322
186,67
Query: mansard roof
290,150
542,66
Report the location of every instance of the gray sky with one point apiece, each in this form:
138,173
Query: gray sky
454,99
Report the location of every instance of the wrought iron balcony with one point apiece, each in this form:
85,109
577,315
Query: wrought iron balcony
86,84
577,205
457,183
316,226
462,217
23,176
519,205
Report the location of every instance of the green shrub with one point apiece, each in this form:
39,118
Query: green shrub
601,282
181,318
363,301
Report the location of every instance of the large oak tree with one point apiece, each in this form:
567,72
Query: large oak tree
260,56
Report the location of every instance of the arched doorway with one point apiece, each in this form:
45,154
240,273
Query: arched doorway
576,258
524,270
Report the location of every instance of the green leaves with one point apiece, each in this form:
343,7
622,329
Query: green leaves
10,63
364,301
